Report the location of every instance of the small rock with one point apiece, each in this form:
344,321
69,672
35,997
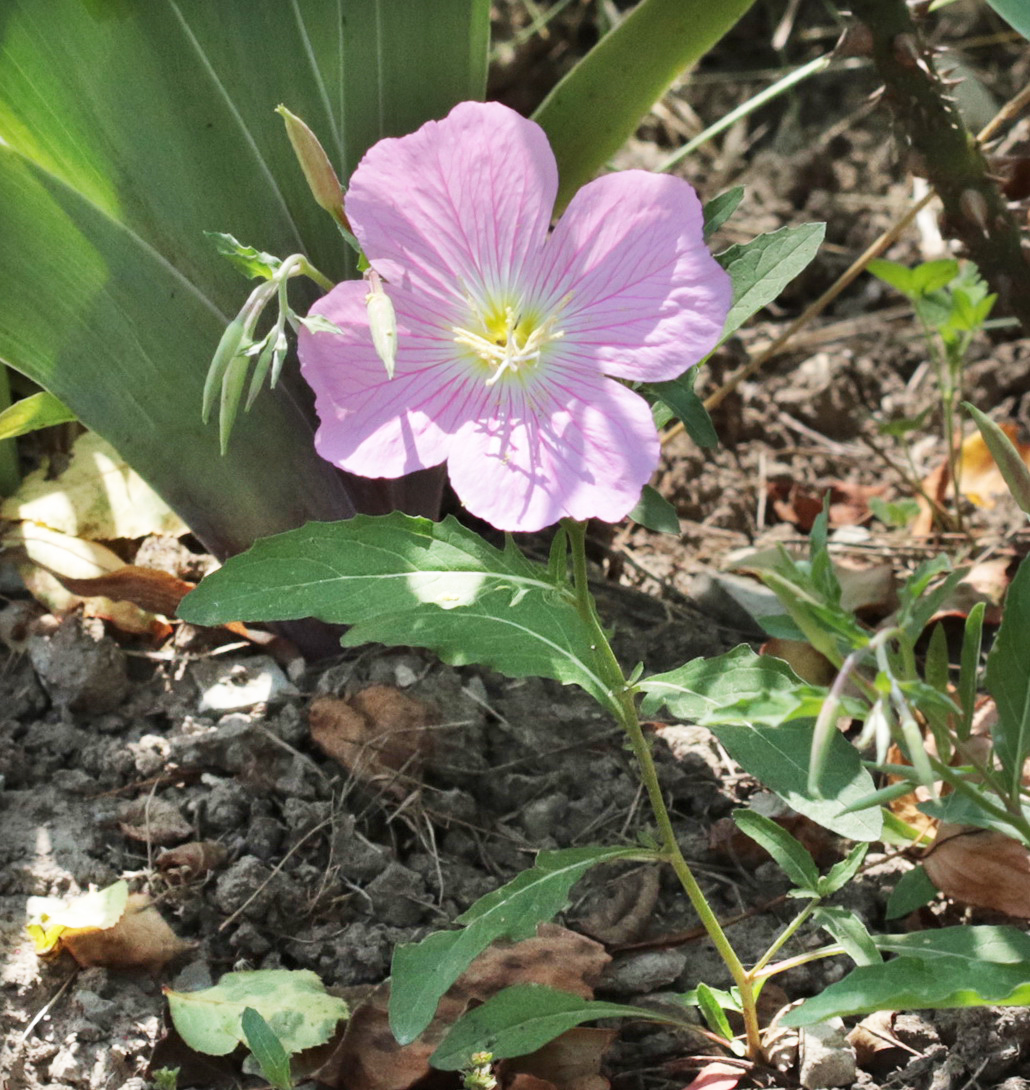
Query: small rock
240,685
635,974
826,1057
80,668
395,895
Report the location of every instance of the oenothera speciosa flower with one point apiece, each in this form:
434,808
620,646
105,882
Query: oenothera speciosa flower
507,332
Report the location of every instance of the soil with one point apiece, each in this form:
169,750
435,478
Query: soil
327,865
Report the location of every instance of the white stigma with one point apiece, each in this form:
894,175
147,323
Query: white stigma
505,344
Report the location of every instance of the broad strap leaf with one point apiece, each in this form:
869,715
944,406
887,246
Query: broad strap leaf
1008,678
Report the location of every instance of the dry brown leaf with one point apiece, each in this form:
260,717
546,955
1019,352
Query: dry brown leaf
375,734
981,867
369,1058
569,1062
151,590
139,940
801,504
153,821
877,1048
192,860
628,906
810,665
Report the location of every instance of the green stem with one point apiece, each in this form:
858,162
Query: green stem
784,936
624,707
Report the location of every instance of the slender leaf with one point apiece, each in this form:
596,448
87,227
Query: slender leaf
850,932
1013,469
268,1050
522,1019
408,581
841,873
655,512
422,972
32,413
585,122
679,395
952,967
793,857
913,890
969,669
1008,678
719,209
762,268
1015,13
711,1008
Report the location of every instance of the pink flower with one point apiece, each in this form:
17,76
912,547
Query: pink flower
506,332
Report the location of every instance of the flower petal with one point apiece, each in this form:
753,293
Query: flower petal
645,298
581,450
370,424
461,205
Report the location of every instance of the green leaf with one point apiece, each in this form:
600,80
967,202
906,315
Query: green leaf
900,277
913,890
127,130
522,1019
762,268
792,856
931,276
294,1003
761,712
272,1058
678,394
969,669
952,967
1015,13
655,512
841,873
711,1007
673,35
1008,679
254,264
848,930
1013,468
719,209
31,413
423,971
407,581
966,809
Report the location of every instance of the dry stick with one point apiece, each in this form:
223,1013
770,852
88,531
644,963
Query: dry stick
1010,110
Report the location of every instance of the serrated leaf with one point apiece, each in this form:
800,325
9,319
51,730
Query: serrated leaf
293,1002
752,704
422,972
522,1019
952,967
655,512
719,209
407,581
791,855
267,1049
31,413
762,268
254,264
1008,679
913,890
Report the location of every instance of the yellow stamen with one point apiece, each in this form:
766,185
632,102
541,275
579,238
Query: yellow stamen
507,343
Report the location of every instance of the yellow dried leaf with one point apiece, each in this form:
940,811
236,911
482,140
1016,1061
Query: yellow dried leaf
52,917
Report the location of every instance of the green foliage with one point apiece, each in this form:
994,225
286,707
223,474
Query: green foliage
894,513
713,1004
293,1003
719,209
679,397
762,268
655,512
913,890
762,713
407,581
1008,679
952,967
31,413
267,1049
166,1078
522,1019
585,122
423,971
1015,13
1004,453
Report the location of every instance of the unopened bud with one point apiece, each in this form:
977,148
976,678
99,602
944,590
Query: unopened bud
322,180
382,323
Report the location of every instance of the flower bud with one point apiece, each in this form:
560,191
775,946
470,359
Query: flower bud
322,180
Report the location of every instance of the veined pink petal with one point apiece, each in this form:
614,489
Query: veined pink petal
582,449
460,206
645,298
371,424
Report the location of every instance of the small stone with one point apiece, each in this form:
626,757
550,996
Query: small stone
636,974
826,1057
395,896
240,685
81,668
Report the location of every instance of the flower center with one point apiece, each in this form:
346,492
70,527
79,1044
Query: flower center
507,341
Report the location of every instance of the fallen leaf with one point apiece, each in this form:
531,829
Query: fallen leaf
800,504
980,867
192,860
97,498
97,909
369,1057
569,1062
717,1076
153,820
139,940
810,665
375,734
877,1049
153,591
627,908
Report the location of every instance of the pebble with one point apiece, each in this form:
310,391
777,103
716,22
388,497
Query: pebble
240,685
826,1057
637,974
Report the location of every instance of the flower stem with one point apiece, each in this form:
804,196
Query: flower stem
623,706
